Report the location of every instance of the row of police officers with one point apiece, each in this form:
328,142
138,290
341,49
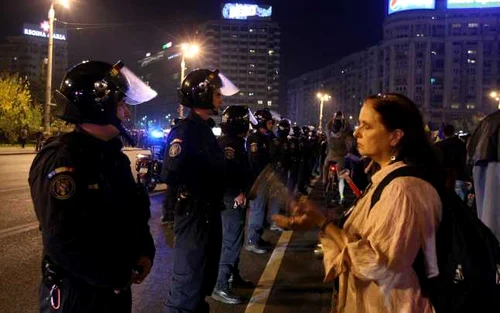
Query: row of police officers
94,217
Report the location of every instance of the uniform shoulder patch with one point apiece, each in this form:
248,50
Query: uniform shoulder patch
174,150
59,170
62,187
229,153
254,147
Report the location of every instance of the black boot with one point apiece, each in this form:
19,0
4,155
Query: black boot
225,295
237,281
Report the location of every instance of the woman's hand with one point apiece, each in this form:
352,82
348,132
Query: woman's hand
305,216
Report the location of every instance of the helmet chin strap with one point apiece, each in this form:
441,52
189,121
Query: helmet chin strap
123,132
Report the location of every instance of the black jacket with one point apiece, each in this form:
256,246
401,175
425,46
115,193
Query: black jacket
93,216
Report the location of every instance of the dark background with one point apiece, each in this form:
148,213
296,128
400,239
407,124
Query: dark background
314,33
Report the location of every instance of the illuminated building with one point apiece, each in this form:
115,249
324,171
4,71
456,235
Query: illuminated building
245,45
444,55
26,55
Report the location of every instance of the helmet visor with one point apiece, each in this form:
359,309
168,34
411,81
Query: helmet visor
137,92
227,87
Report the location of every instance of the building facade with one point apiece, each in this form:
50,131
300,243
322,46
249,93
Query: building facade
26,55
247,50
446,59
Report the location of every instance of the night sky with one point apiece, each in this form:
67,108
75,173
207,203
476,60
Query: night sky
314,33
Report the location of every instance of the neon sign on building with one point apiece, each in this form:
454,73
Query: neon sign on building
240,11
405,5
42,31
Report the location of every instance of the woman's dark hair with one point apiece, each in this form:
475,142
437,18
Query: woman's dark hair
399,112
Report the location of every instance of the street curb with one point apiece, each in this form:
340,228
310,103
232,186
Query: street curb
35,152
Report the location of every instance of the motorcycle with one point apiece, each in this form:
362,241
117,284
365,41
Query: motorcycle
148,171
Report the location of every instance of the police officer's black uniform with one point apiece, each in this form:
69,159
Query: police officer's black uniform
195,176
295,158
259,155
234,125
168,210
92,214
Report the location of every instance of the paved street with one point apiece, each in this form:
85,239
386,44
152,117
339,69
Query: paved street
289,279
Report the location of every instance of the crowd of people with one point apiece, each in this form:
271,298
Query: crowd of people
94,217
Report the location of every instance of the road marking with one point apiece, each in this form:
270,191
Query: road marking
17,229
260,295
14,189
257,303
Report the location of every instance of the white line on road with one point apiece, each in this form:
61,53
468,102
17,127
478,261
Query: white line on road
260,295
17,229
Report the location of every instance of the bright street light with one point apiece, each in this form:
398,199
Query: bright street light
188,50
495,95
50,55
322,97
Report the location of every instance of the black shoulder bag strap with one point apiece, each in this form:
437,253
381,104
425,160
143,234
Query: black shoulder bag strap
400,172
419,262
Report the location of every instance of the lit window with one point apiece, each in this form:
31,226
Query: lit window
269,103
271,52
471,52
269,87
473,25
433,52
252,51
250,94
260,102
455,106
471,106
252,65
250,72
456,25
251,30
471,61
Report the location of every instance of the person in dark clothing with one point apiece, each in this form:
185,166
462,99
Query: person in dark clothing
453,153
195,178
281,159
167,209
234,126
259,155
295,158
92,214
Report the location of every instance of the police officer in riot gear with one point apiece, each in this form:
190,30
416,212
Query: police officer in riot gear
295,157
259,154
167,216
92,214
234,126
195,177
281,160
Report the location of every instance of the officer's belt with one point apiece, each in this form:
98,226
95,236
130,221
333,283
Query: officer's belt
185,195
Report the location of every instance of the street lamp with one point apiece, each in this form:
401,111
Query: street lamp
322,97
48,89
188,50
495,95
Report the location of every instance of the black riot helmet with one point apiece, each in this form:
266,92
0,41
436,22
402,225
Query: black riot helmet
236,120
283,128
306,130
263,116
197,89
91,91
296,131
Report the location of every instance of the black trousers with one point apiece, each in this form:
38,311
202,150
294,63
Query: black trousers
233,225
198,233
79,297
